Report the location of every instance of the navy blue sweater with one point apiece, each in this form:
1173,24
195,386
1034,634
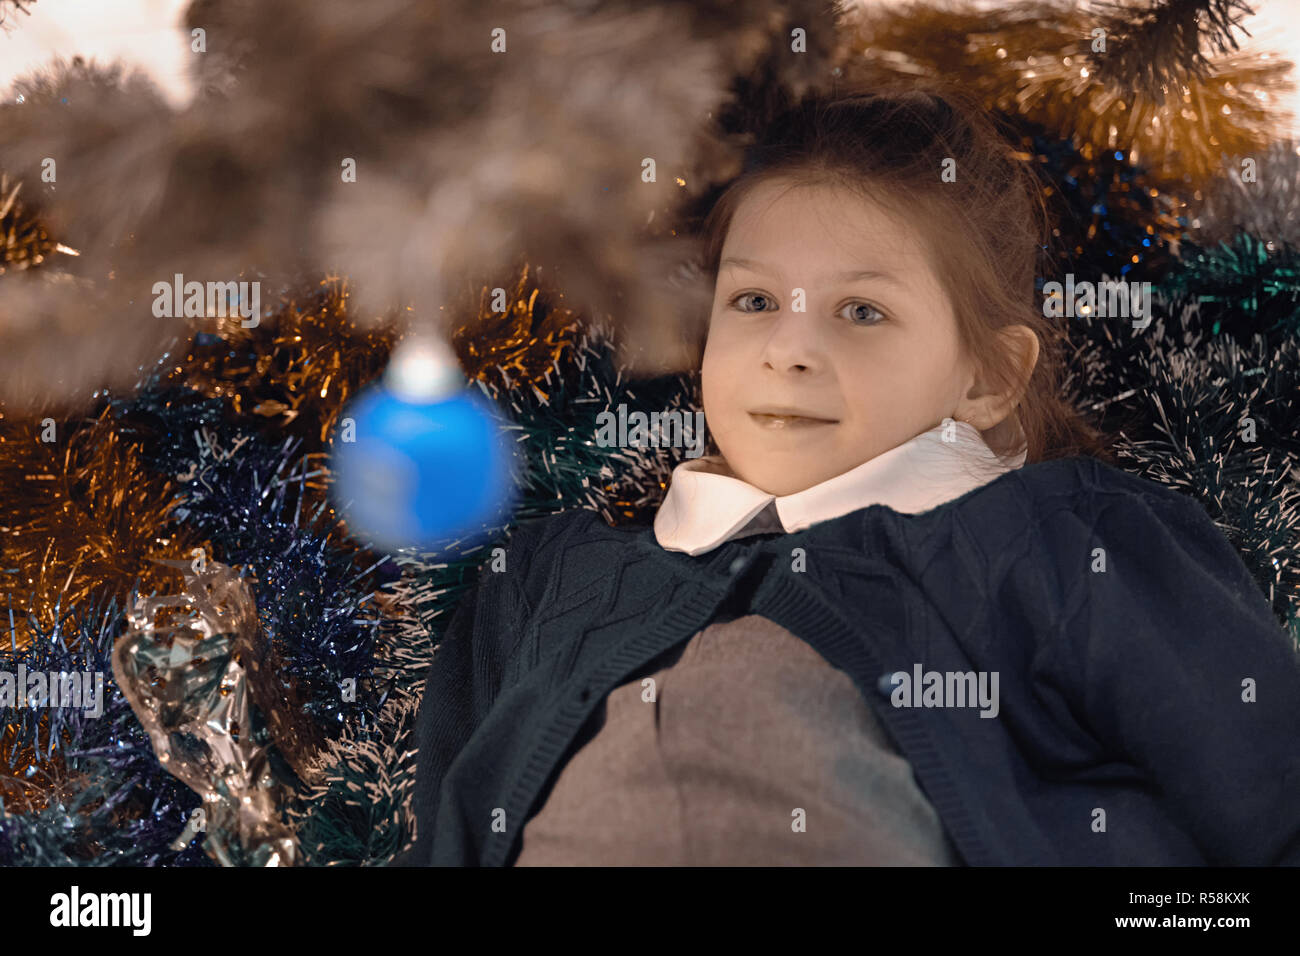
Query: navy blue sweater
1149,712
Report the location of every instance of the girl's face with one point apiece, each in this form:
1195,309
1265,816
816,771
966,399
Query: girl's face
825,305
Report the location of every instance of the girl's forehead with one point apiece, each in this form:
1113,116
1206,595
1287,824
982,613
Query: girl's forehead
822,204
815,220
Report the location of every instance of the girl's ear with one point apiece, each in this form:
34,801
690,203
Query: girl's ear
1022,343
985,408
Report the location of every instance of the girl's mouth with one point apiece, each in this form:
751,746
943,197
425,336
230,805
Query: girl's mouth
777,422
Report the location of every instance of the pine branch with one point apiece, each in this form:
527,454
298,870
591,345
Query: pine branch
1149,47
20,5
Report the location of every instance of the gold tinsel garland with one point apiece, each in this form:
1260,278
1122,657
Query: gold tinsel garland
1043,54
82,518
309,358
23,240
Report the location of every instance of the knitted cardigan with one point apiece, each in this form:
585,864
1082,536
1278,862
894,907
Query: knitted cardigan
1148,707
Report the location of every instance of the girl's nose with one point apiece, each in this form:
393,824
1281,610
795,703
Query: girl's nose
792,344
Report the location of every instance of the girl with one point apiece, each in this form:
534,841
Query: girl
904,612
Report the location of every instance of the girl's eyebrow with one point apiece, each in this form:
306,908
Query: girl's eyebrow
852,275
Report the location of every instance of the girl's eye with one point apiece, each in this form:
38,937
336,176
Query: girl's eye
757,295
864,311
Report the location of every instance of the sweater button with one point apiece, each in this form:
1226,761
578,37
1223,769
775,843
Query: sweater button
738,564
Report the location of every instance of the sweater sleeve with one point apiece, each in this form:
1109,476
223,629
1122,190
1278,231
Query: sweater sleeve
1174,659
463,682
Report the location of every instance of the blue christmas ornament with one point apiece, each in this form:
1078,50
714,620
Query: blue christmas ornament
419,461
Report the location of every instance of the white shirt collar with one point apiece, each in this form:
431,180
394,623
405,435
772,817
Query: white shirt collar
706,503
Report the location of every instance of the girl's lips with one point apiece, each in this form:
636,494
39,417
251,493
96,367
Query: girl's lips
777,422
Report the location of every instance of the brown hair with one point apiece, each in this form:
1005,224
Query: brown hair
990,224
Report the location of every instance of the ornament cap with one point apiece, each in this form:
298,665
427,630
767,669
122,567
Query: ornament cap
424,369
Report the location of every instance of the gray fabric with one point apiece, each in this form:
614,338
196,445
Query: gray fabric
749,724
766,521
